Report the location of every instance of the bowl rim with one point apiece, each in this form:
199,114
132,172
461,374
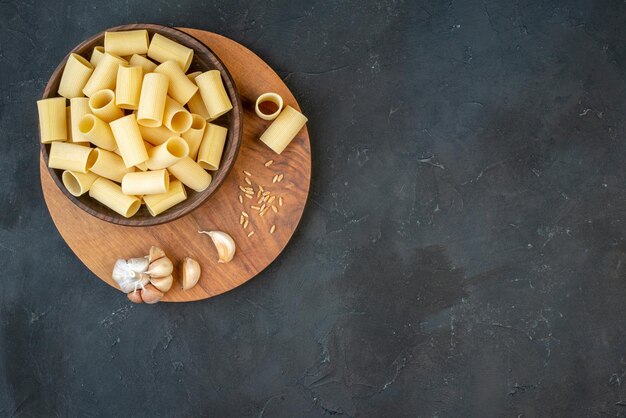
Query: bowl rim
218,178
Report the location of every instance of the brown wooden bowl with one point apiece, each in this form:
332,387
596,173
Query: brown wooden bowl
203,60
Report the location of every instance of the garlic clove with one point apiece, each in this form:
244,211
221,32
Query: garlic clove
151,294
138,265
224,244
155,254
191,273
162,267
135,296
163,283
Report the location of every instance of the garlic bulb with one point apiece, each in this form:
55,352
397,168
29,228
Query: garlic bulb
191,273
162,283
135,275
224,244
130,275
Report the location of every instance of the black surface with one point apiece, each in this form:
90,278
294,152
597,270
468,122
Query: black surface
462,253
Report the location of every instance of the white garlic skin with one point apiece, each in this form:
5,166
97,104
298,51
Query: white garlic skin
126,277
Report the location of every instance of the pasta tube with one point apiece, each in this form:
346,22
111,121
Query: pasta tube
109,165
167,154
159,203
66,156
79,107
78,183
156,136
162,49
152,100
175,117
195,104
97,132
75,75
105,74
144,183
194,135
128,138
284,129
180,87
128,87
143,62
111,196
191,174
102,104
268,98
68,123
127,42
52,119
212,146
96,56
213,93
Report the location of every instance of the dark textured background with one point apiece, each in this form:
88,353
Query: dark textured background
462,252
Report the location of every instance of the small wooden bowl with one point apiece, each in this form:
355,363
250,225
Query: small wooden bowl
203,60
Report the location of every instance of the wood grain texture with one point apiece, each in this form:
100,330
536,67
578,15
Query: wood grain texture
98,243
203,60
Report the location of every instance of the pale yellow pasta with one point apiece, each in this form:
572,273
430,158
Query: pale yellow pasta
52,119
128,138
159,203
111,195
271,98
102,104
127,42
143,166
180,87
128,87
143,62
145,183
213,93
68,123
175,117
97,132
212,146
167,154
75,75
162,49
152,100
284,129
72,157
105,74
156,136
195,104
78,183
109,165
79,107
191,174
96,56
194,135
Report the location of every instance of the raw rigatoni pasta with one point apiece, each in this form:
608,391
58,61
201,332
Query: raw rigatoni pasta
158,203
212,146
102,104
152,100
213,93
143,62
194,135
128,138
111,195
268,98
167,154
52,119
162,49
191,174
105,74
175,117
195,104
75,75
68,123
79,107
127,42
156,136
180,87
110,165
145,183
96,56
78,183
72,157
284,129
97,132
128,87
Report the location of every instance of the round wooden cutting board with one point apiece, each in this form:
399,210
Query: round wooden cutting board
98,244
